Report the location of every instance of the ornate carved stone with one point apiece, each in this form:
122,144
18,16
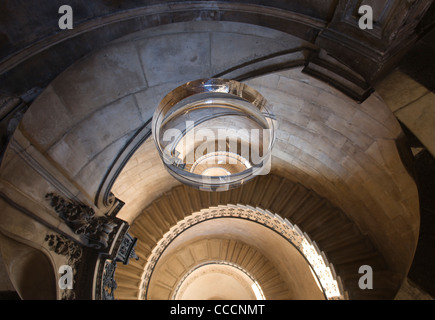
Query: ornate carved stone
65,247
109,284
126,251
81,219
72,251
106,285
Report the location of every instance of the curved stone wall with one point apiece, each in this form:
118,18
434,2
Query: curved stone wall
45,50
347,153
412,104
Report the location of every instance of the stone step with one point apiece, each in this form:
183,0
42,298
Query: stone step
146,232
127,282
155,213
122,293
355,242
165,213
345,259
123,272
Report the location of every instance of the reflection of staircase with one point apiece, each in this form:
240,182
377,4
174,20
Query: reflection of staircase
344,245
166,278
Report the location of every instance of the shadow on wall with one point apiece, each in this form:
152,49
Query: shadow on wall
423,266
30,271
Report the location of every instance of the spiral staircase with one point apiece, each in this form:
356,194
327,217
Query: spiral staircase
346,248
77,106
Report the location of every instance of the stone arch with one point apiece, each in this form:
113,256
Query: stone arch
30,270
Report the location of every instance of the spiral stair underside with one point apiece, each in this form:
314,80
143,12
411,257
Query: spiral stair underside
333,232
217,251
